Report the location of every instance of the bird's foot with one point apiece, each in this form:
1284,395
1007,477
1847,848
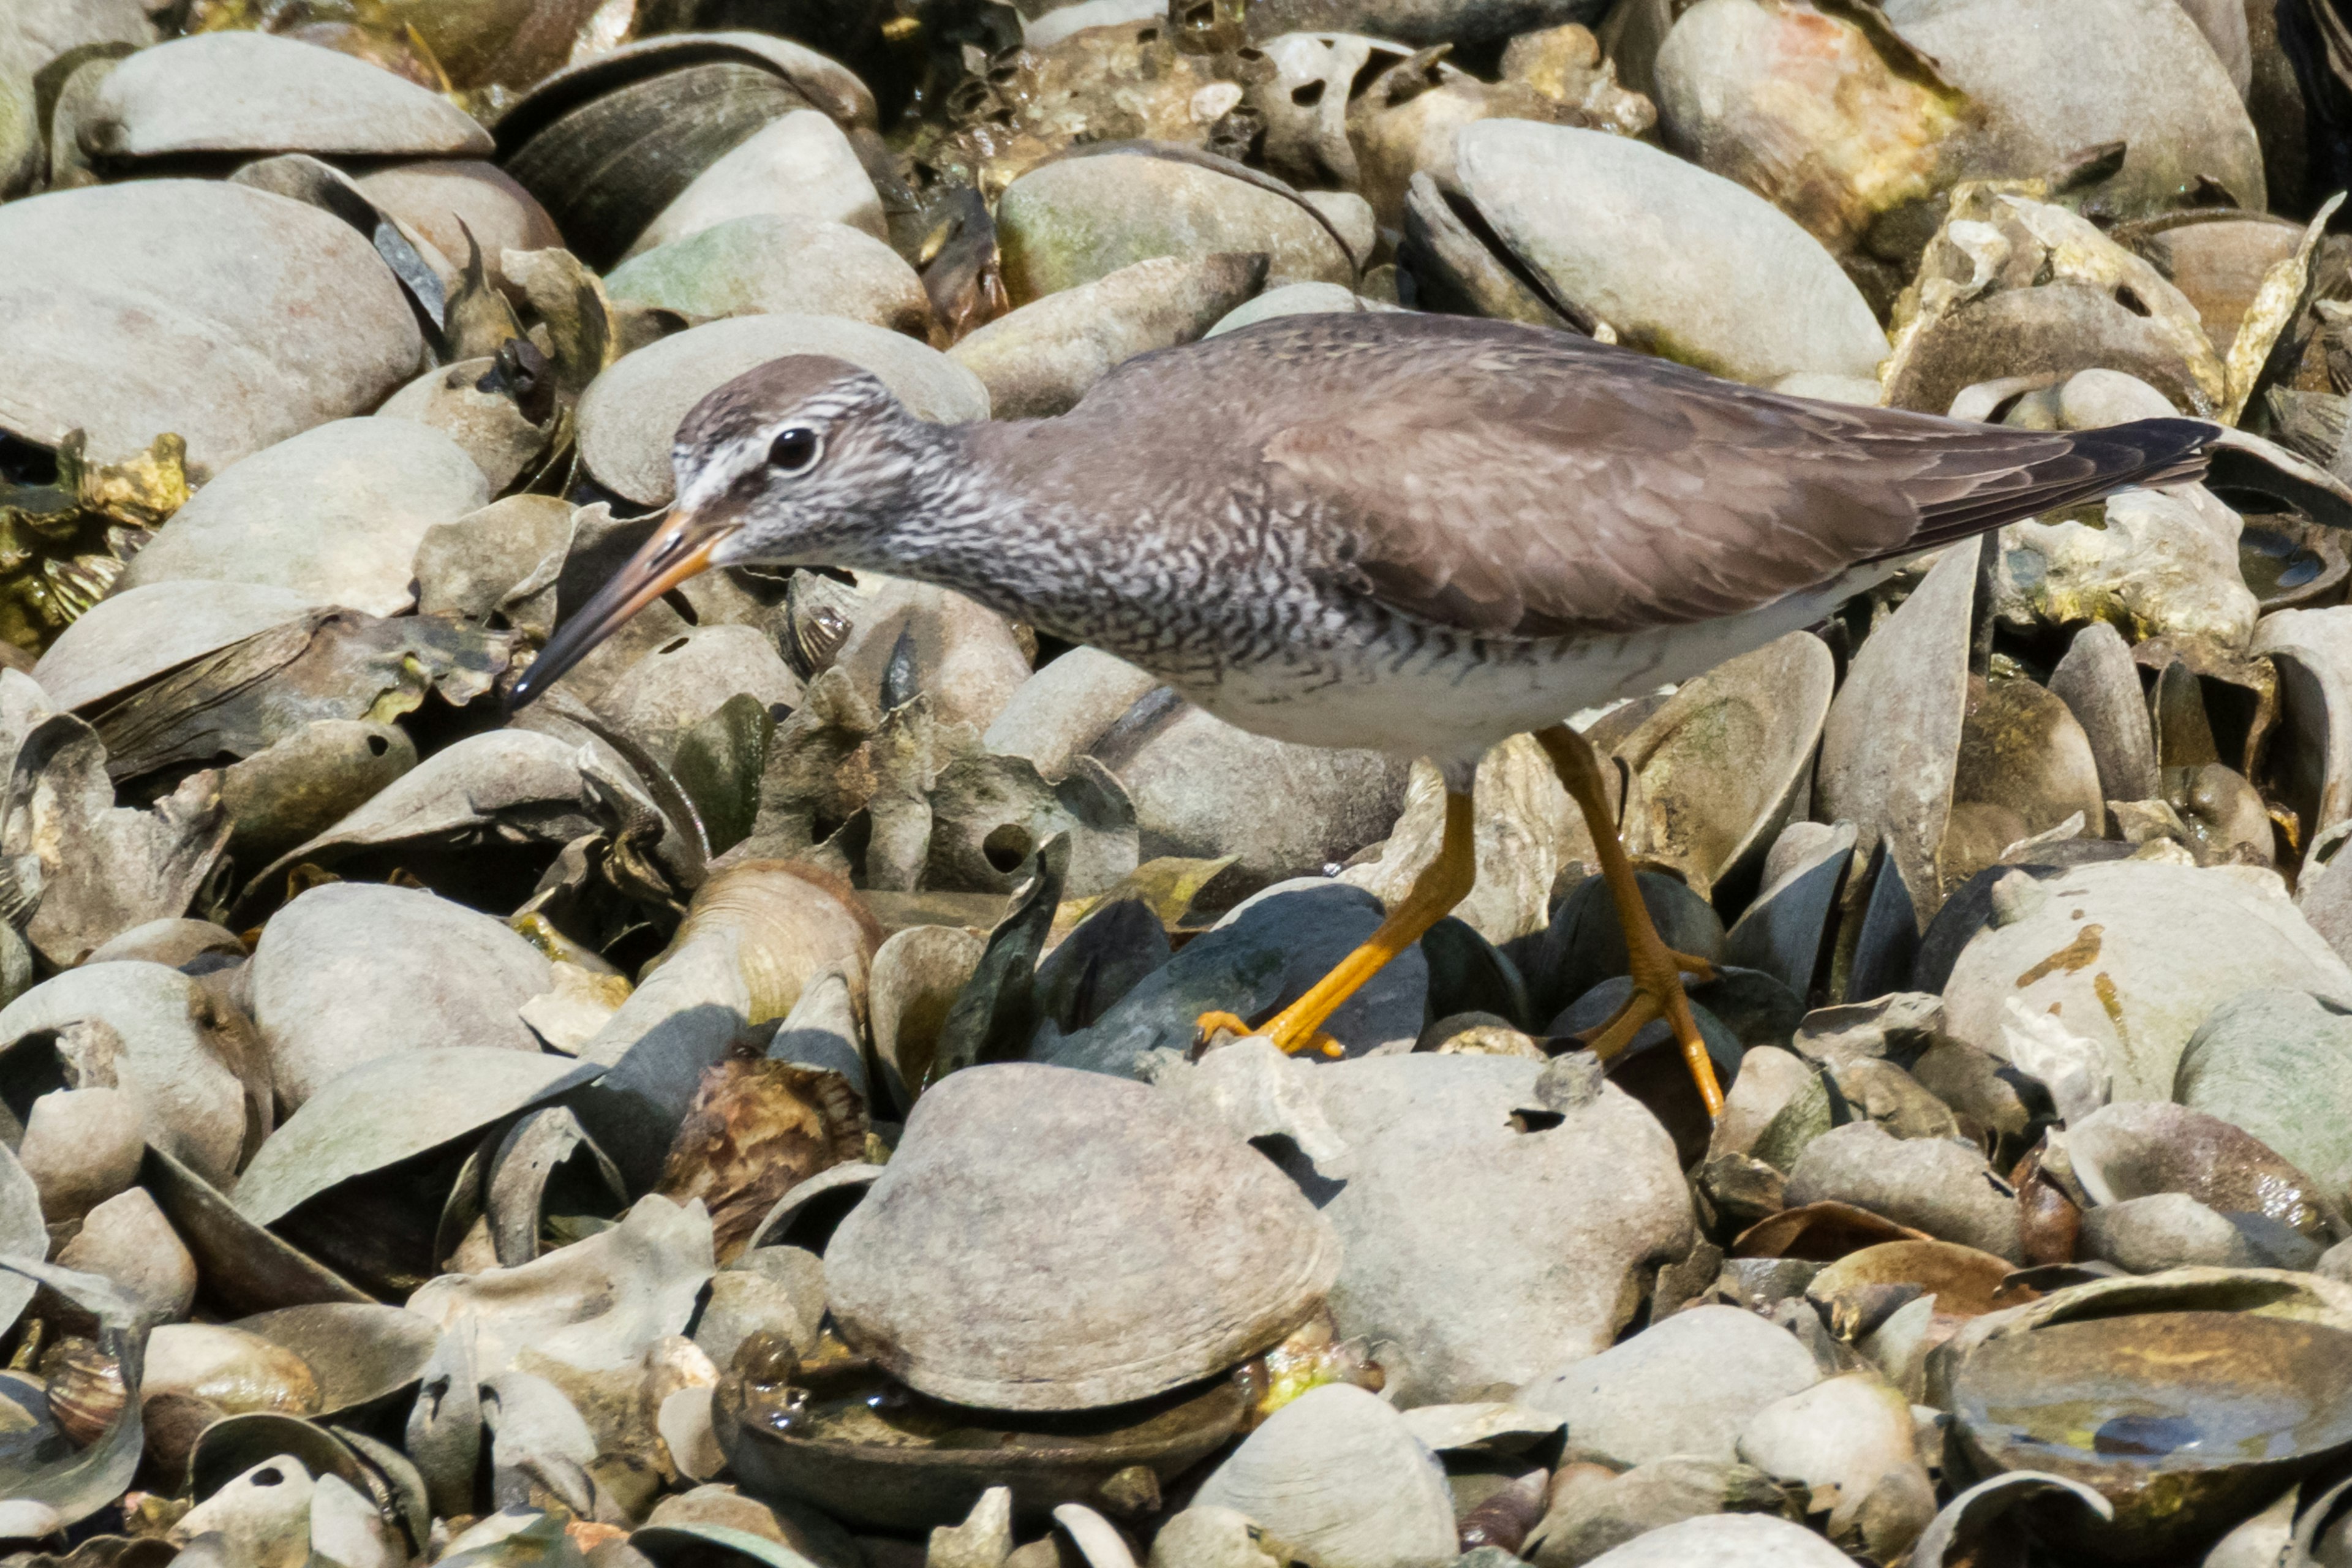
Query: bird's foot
1658,993
1290,1041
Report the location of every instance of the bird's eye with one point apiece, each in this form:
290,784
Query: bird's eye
795,451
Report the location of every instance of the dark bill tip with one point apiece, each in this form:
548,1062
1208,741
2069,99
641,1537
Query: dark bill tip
679,549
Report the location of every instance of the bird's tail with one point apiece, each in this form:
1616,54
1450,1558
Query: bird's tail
2145,452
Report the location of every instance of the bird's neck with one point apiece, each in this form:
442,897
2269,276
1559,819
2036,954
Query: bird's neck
991,524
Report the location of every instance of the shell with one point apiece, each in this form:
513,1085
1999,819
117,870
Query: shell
922,1464
1016,1178
86,1393
605,145
230,1368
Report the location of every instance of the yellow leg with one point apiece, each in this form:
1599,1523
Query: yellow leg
1443,883
1656,968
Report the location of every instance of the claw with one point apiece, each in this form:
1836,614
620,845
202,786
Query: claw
1208,1023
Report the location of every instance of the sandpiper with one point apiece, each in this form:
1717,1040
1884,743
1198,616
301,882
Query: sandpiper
1417,533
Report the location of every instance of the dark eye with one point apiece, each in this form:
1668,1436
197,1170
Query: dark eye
795,451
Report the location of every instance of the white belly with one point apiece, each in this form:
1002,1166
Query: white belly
1452,707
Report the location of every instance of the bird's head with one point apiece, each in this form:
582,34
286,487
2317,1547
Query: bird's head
804,461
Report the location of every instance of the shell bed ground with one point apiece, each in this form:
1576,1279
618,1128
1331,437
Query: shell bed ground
746,1106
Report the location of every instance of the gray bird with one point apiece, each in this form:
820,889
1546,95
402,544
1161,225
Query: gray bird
1417,534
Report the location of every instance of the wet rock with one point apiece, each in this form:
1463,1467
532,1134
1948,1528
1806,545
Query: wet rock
351,972
1683,1386
772,263
1672,257
1041,359
2139,1148
1336,1474
2133,956
628,413
1935,1185
1073,221
799,165
263,318
2278,1064
334,514
1014,1175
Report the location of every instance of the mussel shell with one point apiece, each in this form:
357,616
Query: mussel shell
607,145
1046,1460
606,168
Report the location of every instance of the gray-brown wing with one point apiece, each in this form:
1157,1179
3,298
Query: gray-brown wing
1525,484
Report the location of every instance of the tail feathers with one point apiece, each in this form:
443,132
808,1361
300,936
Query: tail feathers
2094,463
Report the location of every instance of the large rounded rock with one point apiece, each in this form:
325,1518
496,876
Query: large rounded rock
767,264
2279,1065
1336,1475
2054,77
1676,259
2133,956
1041,359
1048,1239
335,515
629,414
1484,1243
1072,222
798,165
353,970
1686,1386
261,318
1935,1185
257,93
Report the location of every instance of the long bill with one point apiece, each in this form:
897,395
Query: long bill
679,548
